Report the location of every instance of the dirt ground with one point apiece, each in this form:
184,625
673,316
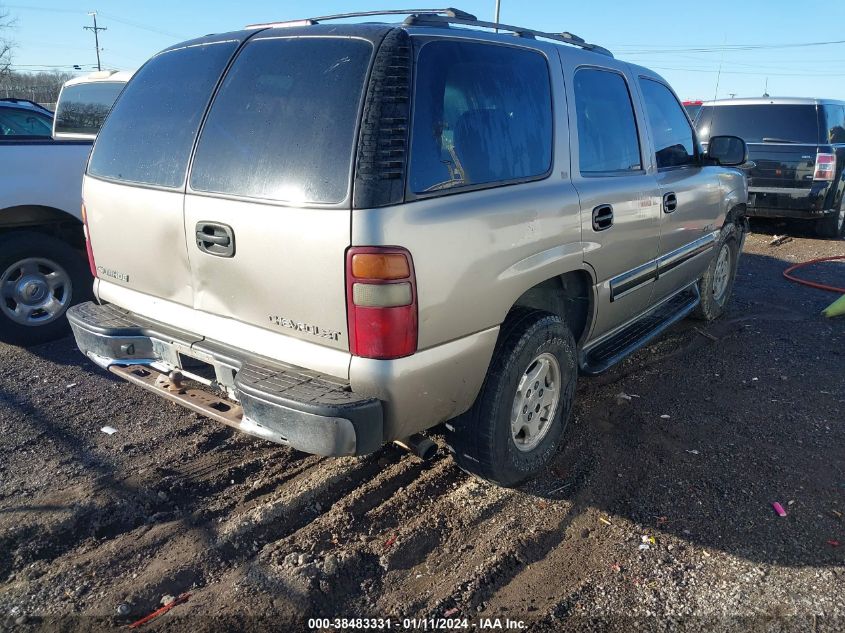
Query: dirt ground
656,515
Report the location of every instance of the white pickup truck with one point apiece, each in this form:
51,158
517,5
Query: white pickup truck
43,268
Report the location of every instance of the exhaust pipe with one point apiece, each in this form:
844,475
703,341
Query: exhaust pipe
419,445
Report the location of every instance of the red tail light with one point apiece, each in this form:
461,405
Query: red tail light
825,167
91,264
381,302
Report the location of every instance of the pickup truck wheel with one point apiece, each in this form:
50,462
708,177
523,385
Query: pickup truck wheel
40,278
833,225
514,428
717,283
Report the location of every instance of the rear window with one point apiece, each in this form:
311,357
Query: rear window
148,137
482,114
771,123
20,122
282,126
82,108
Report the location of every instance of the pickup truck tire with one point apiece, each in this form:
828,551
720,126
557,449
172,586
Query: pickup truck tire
832,225
513,430
40,278
717,283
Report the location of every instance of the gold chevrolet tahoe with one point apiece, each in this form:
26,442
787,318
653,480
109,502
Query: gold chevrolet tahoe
336,235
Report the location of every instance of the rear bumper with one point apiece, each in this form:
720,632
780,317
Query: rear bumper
785,202
311,412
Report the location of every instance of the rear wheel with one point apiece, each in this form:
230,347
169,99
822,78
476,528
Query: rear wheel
514,428
40,278
833,225
716,285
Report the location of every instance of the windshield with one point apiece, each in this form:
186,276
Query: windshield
19,122
764,123
82,108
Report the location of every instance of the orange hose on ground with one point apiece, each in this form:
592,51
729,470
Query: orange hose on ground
813,284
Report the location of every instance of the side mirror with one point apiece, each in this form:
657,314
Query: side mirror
728,151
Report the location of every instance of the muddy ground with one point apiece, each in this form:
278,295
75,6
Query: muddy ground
656,515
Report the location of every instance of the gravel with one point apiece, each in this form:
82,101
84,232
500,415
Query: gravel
656,514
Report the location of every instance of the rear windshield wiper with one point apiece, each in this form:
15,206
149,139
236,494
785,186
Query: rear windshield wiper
767,139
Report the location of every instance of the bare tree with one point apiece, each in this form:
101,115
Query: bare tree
42,87
6,44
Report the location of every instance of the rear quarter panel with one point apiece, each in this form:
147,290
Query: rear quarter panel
476,252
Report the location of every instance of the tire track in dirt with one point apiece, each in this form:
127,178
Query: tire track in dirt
256,530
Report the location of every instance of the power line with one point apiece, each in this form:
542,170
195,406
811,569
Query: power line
109,16
42,65
719,49
144,27
44,70
739,72
22,7
773,65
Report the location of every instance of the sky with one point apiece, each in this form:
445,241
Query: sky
709,49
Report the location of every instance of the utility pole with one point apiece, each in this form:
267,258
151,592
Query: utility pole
96,30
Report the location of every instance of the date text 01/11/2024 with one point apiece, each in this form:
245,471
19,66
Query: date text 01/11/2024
415,624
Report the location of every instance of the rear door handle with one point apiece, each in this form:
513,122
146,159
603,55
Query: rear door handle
220,240
670,202
602,217
215,239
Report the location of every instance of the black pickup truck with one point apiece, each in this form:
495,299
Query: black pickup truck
796,155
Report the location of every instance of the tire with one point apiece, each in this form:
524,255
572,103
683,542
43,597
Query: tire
833,225
483,440
40,278
716,285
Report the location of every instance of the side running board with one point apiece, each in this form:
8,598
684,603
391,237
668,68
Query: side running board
603,355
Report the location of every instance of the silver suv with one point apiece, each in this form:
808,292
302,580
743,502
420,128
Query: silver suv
334,236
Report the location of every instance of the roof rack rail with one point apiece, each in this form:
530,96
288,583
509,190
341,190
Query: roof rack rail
566,37
448,12
443,17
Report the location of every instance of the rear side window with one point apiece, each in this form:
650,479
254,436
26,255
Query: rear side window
149,134
83,107
674,142
835,123
607,128
763,123
282,125
482,114
15,122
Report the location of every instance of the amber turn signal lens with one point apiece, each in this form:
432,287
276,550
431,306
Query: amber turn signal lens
380,266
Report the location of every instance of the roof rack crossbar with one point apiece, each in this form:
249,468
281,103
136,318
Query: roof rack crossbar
447,12
565,37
